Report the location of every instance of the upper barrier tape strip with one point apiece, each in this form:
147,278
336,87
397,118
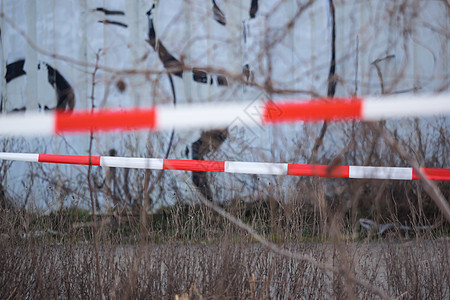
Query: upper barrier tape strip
207,115
105,120
27,124
220,115
398,106
323,110
235,166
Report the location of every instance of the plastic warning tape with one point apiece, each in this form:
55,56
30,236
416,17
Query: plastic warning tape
394,173
221,115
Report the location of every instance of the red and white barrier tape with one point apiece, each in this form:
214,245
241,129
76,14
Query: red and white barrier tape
234,166
221,115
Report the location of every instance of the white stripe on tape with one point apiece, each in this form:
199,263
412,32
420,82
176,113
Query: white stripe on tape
132,162
27,124
388,107
255,168
20,156
209,115
380,173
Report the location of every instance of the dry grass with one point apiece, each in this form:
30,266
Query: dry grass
415,269
215,262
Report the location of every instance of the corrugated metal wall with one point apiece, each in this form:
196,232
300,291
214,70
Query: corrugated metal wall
409,41
381,47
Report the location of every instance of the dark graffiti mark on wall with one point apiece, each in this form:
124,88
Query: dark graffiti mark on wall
200,76
15,70
209,142
171,64
248,74
218,15
108,12
64,92
332,80
253,9
109,22
222,80
65,96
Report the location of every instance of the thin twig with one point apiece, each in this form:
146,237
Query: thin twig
91,192
12,294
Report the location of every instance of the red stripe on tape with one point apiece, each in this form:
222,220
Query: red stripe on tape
69,159
105,120
338,109
194,165
318,170
433,174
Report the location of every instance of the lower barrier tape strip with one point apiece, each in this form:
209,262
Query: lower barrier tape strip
355,172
